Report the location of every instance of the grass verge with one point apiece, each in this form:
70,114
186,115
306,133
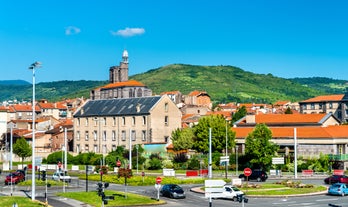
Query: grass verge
121,199
21,201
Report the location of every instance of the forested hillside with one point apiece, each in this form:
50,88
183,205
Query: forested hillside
223,84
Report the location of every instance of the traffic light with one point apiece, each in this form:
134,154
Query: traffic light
100,188
43,176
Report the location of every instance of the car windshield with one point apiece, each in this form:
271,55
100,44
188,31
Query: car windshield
176,187
235,188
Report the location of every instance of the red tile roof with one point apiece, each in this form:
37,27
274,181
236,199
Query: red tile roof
289,118
325,98
122,84
302,132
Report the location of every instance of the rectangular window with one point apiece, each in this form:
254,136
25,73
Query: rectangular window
143,135
77,135
78,148
95,148
86,135
133,120
95,121
165,107
104,135
113,121
312,106
95,135
133,135
144,120
166,120
330,105
113,135
123,135
123,121
113,147
320,105
78,121
86,122
86,148
104,149
166,138
104,120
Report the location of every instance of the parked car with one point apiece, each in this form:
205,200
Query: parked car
59,176
14,178
258,175
336,179
22,172
232,192
172,191
338,189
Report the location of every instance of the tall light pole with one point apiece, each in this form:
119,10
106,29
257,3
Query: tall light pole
33,67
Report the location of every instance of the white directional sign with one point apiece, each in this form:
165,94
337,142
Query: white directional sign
214,188
224,159
277,160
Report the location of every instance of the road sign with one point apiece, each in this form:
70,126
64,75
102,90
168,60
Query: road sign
214,188
158,180
277,160
143,174
118,163
224,159
214,183
247,172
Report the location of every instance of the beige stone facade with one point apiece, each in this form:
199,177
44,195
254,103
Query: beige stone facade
102,125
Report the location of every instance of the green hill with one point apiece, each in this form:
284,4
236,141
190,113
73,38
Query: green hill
223,84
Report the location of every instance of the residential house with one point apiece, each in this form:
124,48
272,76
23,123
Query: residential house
102,125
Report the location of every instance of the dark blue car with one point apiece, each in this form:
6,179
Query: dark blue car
172,191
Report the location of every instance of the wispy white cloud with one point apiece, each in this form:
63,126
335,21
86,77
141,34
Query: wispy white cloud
71,30
128,32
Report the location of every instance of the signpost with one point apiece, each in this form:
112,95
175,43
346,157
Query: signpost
214,189
158,186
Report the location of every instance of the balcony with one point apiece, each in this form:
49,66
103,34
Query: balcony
338,157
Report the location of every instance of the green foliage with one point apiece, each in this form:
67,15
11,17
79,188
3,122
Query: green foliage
239,114
180,158
244,87
155,164
217,123
288,111
89,158
22,148
182,139
193,164
259,147
55,157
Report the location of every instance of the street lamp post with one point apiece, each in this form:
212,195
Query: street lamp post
33,67
236,160
137,147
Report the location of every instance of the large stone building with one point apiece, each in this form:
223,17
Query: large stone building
335,104
102,125
119,86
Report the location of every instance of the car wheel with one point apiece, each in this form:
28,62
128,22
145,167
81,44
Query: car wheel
171,195
258,179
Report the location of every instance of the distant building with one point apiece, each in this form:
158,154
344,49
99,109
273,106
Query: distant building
335,104
119,86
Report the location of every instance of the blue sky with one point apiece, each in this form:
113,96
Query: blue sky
81,39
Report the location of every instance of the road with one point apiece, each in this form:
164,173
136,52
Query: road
193,199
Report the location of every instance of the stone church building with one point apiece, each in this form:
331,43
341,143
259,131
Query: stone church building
119,86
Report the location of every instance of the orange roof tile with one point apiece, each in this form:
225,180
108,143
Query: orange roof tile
301,132
289,118
122,84
337,97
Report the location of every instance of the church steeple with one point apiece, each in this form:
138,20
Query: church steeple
125,56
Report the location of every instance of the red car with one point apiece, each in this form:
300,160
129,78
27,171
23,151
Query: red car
14,177
336,179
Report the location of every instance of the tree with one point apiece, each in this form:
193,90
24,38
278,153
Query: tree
22,149
239,114
219,127
259,148
182,139
288,111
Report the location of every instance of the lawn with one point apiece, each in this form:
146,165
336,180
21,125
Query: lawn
93,199
21,201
